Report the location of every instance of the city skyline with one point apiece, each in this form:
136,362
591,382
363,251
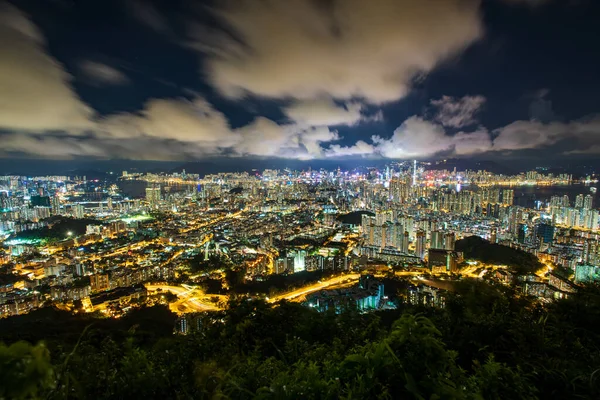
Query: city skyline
114,240
244,80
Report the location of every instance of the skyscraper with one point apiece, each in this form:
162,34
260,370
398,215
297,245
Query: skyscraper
420,245
300,261
382,217
5,201
515,216
414,175
449,241
579,201
590,252
555,201
392,235
399,189
508,197
368,229
153,195
522,233
56,205
588,202
545,233
409,225
437,240
405,241
78,211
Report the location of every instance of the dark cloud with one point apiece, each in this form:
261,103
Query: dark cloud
457,113
540,108
146,13
97,73
531,3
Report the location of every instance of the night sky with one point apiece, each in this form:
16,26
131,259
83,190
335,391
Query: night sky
299,79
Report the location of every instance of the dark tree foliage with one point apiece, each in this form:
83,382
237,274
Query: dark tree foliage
8,278
198,264
58,229
353,218
81,282
563,272
213,286
521,262
277,282
487,343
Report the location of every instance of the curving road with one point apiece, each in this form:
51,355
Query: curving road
338,280
187,298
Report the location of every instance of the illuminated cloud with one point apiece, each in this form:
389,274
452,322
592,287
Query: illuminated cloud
417,137
312,139
527,135
327,62
457,113
346,49
171,129
69,147
469,143
193,121
36,94
519,135
49,146
266,138
360,148
98,73
263,137
323,112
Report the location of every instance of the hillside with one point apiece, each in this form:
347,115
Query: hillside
479,249
487,343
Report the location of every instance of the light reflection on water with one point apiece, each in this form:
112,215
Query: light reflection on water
526,196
